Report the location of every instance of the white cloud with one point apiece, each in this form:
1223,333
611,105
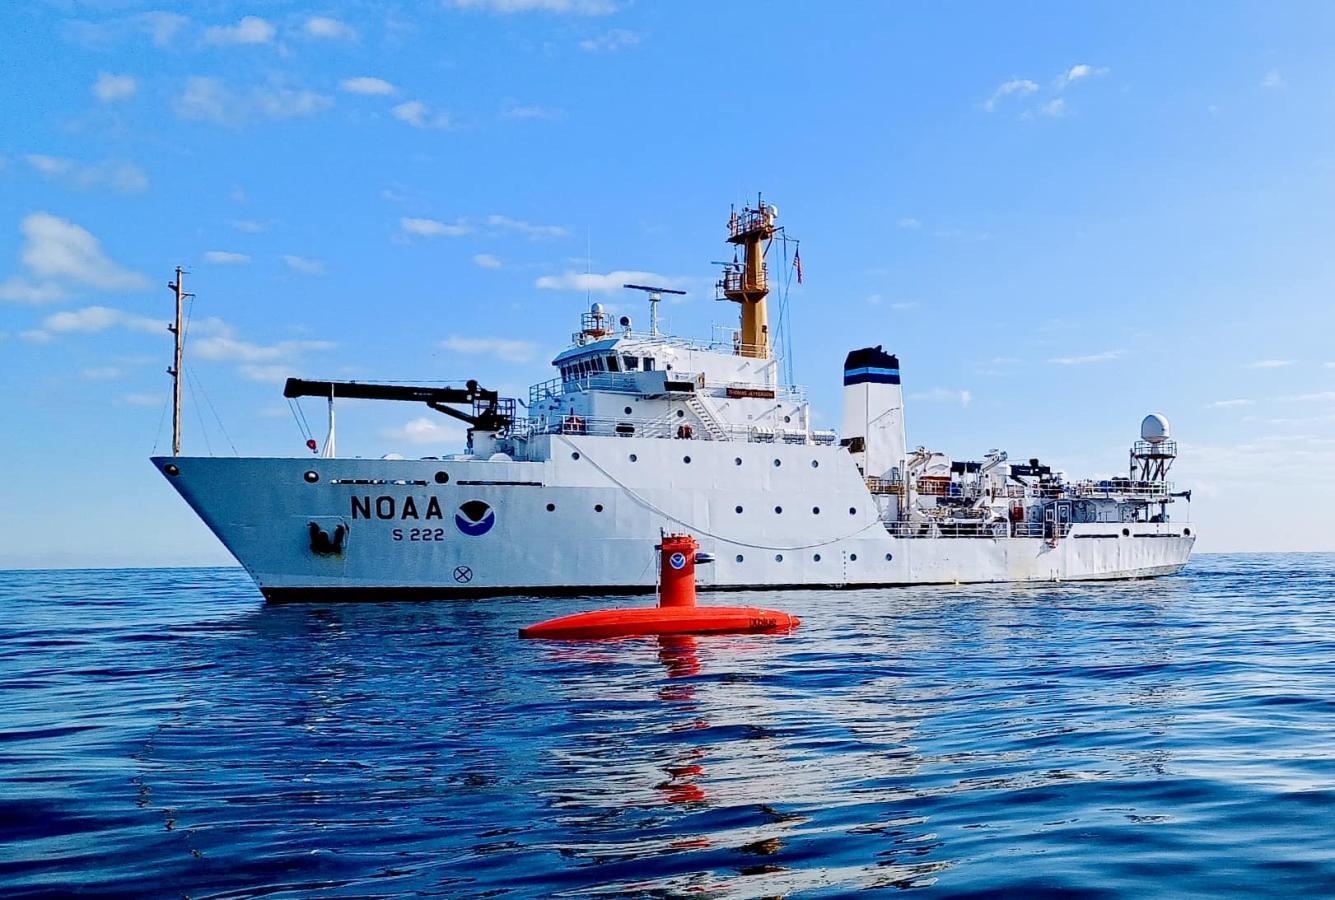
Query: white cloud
286,103
909,222
330,29
570,7
1017,86
210,100
1077,72
1228,404
93,319
432,228
532,112
367,86
18,290
1318,397
224,347
606,283
102,373
426,431
486,261
246,226
948,395
528,229
56,253
143,399
274,374
109,88
225,258
1106,356
1270,364
1055,108
250,30
904,305
36,336
611,41
1272,80
303,265
507,349
119,176
419,115
162,27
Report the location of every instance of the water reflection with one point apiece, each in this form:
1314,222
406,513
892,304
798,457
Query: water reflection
1103,737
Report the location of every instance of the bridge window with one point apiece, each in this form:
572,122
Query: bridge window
648,364
632,363
613,364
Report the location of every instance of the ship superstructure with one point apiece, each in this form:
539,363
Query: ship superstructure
642,432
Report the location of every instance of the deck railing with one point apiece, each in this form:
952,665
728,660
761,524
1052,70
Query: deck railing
664,427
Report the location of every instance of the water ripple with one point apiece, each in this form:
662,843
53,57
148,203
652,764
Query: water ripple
161,731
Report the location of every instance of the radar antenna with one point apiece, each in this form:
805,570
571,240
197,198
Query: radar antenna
655,297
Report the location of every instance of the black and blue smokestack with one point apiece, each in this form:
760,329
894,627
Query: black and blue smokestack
871,365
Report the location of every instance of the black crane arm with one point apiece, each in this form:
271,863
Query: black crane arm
487,412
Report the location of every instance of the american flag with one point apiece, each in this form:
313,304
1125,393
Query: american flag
797,264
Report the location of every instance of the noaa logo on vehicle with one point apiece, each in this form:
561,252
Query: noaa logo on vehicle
475,518
677,560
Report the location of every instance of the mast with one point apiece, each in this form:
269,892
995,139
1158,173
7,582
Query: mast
175,371
747,283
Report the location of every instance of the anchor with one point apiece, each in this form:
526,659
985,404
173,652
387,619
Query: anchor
321,543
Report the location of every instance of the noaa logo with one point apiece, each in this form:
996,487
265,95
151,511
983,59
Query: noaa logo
475,518
677,560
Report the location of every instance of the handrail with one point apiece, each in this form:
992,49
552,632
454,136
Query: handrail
628,383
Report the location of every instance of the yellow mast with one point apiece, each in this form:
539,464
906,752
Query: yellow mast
748,285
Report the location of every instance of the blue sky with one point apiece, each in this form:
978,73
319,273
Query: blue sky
1061,218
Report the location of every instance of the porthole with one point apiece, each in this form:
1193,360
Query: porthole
575,455
173,471
787,419
778,557
1126,532
311,476
686,459
737,461
815,464
815,510
778,463
852,510
442,478
852,557
739,510
778,510
634,458
815,558
680,413
889,556
1186,532
597,507
551,507
628,410
739,557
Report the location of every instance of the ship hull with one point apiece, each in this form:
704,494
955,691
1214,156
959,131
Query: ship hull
585,519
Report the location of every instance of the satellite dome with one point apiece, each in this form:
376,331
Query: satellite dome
1154,428
597,309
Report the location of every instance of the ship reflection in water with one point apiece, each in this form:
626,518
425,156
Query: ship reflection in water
165,733
715,791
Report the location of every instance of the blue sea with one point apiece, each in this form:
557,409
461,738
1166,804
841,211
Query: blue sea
165,733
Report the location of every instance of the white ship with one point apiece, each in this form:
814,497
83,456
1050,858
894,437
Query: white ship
643,432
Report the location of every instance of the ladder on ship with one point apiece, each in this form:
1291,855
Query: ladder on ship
708,420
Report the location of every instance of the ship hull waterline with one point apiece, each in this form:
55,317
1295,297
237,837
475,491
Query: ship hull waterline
585,519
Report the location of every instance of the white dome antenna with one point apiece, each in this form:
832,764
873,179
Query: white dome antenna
1154,428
